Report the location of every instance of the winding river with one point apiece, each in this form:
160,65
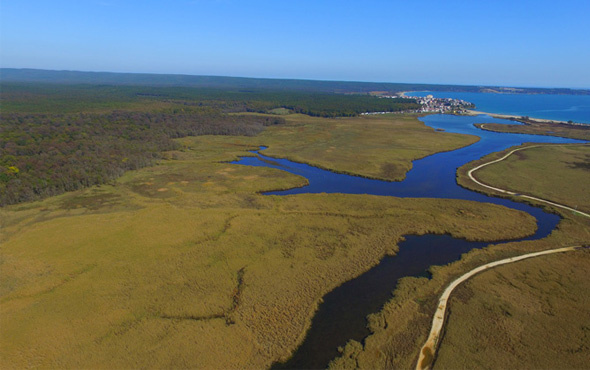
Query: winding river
342,315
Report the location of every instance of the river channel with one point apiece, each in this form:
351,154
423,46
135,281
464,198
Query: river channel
342,314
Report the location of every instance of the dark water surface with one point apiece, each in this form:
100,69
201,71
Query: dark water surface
342,315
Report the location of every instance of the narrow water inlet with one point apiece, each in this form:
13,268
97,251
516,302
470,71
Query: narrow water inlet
342,314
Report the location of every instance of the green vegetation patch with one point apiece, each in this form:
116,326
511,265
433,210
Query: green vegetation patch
62,98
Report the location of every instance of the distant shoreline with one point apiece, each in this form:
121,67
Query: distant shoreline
472,112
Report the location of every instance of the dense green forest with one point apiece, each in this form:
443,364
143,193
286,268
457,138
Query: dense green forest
58,98
56,137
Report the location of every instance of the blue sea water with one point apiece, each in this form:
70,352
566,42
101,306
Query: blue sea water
555,107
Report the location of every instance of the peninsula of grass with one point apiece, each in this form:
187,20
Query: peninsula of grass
559,173
380,147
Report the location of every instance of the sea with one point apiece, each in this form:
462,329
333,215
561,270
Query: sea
574,108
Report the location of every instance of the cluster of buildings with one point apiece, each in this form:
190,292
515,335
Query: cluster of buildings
429,103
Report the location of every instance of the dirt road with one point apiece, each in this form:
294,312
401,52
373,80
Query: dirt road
470,174
428,351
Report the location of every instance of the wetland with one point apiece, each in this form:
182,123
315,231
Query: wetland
199,255
341,317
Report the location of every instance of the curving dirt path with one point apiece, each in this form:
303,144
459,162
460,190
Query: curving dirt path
428,351
470,174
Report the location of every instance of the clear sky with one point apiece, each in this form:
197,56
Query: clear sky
493,42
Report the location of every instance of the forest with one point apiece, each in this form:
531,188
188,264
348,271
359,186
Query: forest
56,137
43,155
60,98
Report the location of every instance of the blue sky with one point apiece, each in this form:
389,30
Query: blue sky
510,43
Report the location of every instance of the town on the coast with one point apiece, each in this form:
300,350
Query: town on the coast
430,104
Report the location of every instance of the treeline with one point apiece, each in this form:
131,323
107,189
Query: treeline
313,104
43,155
331,105
53,98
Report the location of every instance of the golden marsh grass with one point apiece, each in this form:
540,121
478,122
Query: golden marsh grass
208,273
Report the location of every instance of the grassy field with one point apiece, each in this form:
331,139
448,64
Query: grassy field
380,147
560,173
531,314
185,265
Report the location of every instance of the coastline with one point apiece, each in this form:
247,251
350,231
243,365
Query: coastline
520,117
